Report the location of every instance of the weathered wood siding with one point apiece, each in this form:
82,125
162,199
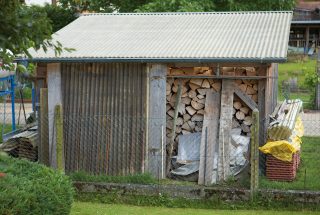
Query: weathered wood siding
104,117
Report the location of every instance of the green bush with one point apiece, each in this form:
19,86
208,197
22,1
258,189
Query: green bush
31,188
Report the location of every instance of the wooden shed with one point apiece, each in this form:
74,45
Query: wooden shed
133,79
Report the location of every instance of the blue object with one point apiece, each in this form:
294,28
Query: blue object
10,92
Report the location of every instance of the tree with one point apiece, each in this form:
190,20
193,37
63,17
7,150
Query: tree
254,5
59,16
105,6
21,28
177,6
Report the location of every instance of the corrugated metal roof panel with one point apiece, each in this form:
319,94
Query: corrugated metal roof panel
236,36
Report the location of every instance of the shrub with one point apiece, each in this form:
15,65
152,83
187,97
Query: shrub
31,188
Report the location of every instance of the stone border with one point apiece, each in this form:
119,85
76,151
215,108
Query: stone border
198,192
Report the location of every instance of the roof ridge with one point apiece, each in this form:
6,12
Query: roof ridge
183,13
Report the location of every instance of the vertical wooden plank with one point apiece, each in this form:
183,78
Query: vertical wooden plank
157,118
226,111
58,128
54,98
44,132
254,153
209,143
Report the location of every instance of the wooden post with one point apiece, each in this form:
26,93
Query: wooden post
58,127
254,153
54,98
43,148
156,119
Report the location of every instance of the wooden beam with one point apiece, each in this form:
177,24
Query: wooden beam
226,112
43,149
58,128
245,98
157,120
209,139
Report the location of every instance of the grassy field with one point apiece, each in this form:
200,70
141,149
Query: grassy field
85,208
296,69
308,174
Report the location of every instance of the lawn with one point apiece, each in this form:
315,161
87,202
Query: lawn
296,69
86,208
308,174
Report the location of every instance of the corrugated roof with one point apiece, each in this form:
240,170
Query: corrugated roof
194,37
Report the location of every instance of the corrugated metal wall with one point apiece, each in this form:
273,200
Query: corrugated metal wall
104,117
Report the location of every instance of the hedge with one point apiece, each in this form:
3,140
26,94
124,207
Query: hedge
30,188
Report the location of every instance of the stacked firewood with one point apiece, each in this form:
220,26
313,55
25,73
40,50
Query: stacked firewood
242,117
192,101
249,87
193,96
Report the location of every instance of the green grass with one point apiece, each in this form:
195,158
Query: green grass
296,69
308,175
6,129
86,208
133,179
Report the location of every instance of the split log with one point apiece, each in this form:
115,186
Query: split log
190,110
167,107
247,120
243,87
170,113
205,84
197,118
255,97
216,86
202,101
186,100
255,87
169,97
244,110
250,90
240,115
191,124
186,117
202,91
200,96
176,72
197,105
196,81
237,105
181,108
186,127
179,121
184,95
238,82
192,94
194,86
